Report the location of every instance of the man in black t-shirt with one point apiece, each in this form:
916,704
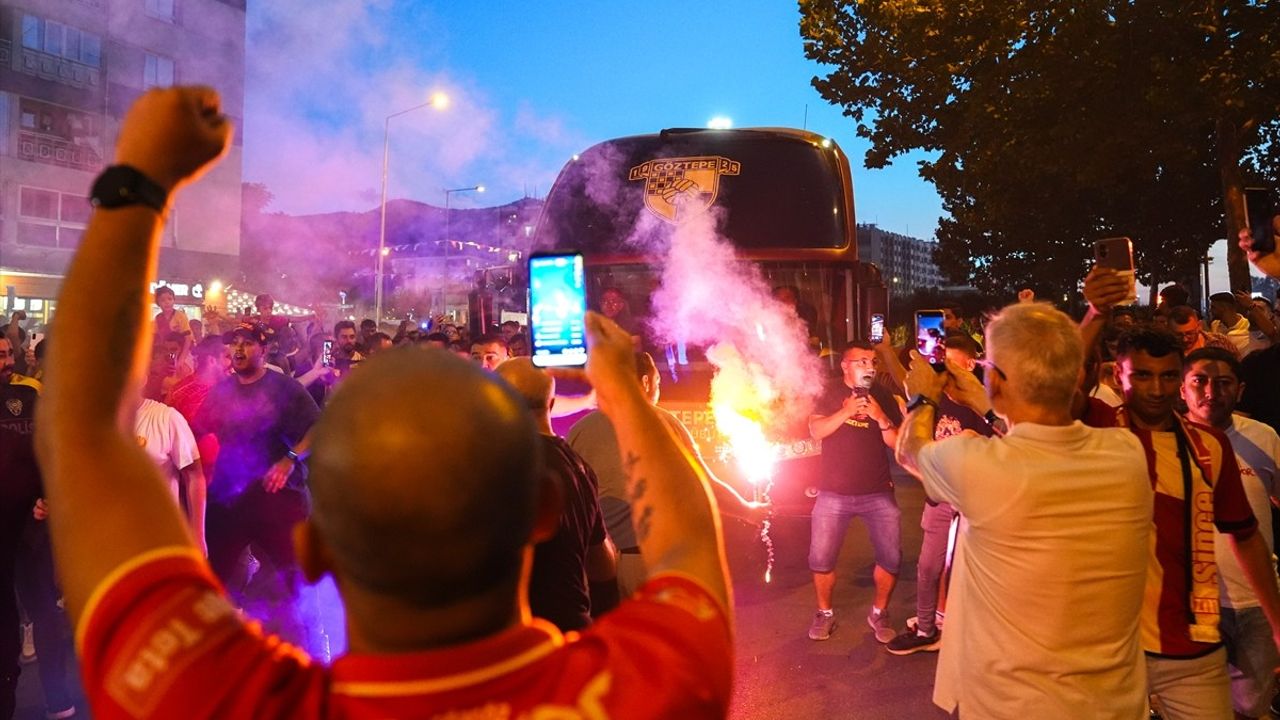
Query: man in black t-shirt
857,423
576,556
261,419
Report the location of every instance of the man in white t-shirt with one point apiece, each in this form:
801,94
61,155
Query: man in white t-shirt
167,438
1211,388
1052,559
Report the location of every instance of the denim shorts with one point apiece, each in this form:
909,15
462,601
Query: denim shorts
830,519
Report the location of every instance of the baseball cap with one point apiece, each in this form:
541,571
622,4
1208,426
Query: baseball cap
255,331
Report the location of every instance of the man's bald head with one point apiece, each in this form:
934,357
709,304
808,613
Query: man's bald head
424,476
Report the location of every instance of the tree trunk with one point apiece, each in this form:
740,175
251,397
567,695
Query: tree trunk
1229,154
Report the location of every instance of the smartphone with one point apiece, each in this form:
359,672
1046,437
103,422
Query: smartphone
931,338
1117,253
877,328
326,354
1260,208
558,309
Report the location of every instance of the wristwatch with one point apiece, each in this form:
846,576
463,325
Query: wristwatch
919,400
293,456
122,186
991,418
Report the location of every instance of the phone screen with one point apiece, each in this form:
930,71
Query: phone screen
1117,254
1260,208
877,327
557,309
327,354
931,338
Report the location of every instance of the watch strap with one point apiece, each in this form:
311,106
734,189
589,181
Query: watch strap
919,400
124,185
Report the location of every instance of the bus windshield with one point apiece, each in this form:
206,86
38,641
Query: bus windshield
776,189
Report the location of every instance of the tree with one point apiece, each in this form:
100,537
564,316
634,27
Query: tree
1053,124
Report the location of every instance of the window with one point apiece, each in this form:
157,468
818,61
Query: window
31,33
90,49
71,44
43,235
161,9
158,72
61,40
36,203
56,219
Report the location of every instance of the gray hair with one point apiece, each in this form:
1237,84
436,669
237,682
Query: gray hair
1040,349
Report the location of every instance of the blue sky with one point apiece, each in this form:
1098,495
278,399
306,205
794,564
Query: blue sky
532,83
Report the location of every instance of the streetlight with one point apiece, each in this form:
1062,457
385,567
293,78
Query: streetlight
439,101
447,242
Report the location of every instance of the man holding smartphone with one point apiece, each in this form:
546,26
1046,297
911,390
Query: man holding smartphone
856,421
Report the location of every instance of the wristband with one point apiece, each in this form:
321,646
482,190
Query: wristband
922,400
122,186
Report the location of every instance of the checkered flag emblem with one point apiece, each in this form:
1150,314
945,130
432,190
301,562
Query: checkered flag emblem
676,189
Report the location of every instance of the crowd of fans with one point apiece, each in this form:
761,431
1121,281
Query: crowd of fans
1097,537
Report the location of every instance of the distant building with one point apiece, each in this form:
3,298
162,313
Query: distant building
69,69
905,263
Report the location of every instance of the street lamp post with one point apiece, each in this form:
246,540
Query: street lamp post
439,101
449,243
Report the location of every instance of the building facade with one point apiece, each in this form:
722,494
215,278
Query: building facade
69,69
905,263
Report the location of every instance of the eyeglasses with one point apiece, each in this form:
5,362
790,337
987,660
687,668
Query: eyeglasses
861,362
995,368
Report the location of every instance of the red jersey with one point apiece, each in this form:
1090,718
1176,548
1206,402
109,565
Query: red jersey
187,396
158,639
1181,607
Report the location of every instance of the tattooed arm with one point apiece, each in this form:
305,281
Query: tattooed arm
110,504
674,513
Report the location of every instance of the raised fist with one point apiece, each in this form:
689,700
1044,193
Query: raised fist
173,134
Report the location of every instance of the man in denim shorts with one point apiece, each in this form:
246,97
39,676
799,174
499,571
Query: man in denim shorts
856,422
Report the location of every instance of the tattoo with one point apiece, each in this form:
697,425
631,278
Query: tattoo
629,464
644,523
638,490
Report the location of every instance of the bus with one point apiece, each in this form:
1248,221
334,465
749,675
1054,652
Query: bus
785,203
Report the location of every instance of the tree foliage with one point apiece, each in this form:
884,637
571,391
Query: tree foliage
1052,124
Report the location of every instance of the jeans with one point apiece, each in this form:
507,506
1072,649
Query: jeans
38,589
830,520
936,523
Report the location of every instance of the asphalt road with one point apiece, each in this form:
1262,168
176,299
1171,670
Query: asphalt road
781,673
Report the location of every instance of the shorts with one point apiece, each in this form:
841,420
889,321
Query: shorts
830,520
1251,658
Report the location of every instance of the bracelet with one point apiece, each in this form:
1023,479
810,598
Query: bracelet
293,456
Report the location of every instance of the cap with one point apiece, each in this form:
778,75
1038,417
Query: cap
255,331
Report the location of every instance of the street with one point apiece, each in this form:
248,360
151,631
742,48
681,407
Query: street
781,673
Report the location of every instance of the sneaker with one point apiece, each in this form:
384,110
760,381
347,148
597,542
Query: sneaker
28,645
880,623
822,625
913,642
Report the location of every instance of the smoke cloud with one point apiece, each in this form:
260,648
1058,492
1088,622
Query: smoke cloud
765,368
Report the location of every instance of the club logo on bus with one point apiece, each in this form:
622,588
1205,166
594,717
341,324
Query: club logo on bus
676,189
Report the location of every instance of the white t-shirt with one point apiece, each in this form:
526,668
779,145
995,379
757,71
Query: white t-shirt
1238,333
1042,619
1257,449
166,437
1104,393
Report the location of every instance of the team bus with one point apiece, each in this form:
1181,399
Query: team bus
785,198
